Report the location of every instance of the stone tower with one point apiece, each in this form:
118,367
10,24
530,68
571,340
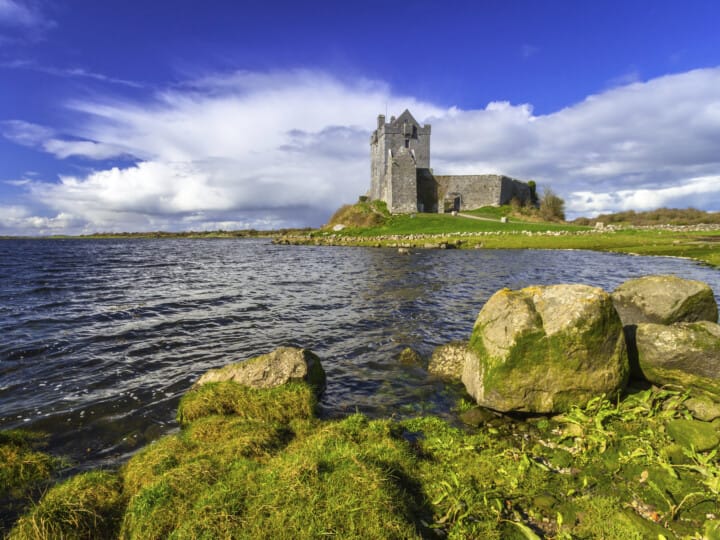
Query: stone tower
400,157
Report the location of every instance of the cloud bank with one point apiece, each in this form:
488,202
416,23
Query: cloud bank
286,148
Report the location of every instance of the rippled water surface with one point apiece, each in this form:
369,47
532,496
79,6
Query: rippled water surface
100,338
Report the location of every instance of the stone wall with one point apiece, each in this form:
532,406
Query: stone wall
427,191
400,133
475,190
512,188
402,182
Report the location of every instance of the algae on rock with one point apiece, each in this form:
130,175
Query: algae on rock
545,349
684,354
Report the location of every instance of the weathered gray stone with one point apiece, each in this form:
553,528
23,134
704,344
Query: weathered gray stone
545,349
702,408
448,361
281,366
684,354
477,416
693,434
664,300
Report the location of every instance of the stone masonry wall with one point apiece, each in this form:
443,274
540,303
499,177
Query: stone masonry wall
402,181
512,188
475,190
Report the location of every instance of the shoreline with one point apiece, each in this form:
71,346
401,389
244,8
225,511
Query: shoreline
668,241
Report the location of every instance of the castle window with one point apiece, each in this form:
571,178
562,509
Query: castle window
407,143
414,135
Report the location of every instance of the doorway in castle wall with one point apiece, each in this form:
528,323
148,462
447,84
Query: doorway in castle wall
452,202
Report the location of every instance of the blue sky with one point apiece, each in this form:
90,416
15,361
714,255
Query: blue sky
134,116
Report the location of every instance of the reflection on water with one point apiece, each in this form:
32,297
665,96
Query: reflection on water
99,339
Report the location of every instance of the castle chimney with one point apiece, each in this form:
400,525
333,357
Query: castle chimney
381,120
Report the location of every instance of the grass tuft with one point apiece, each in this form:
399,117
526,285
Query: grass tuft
280,404
88,506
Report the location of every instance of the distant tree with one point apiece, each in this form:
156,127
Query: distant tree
533,192
552,207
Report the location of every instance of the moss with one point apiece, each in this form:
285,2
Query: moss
218,437
88,506
533,364
158,508
350,479
598,469
280,404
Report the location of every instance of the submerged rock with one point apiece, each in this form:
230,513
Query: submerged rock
448,361
410,357
664,300
283,365
693,434
545,349
684,354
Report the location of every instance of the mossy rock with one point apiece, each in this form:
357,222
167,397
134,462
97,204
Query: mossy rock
281,366
546,349
703,409
87,506
410,357
664,300
682,354
693,434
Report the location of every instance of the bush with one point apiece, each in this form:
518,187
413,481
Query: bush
362,214
552,207
533,192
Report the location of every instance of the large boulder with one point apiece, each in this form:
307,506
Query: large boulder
664,300
545,349
283,365
448,361
684,354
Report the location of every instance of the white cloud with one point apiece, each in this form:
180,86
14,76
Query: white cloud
286,148
14,13
690,193
72,72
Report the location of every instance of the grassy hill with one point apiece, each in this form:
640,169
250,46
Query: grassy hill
367,219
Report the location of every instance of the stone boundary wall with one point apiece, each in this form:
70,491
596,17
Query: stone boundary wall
476,190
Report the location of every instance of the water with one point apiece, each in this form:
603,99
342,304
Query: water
100,338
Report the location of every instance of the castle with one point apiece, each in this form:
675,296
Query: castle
401,174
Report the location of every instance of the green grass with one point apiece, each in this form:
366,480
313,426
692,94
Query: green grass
407,224
87,506
466,233
279,404
608,469
22,466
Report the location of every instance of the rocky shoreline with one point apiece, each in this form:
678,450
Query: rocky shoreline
591,414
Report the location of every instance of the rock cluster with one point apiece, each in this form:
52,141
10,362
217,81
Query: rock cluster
546,349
